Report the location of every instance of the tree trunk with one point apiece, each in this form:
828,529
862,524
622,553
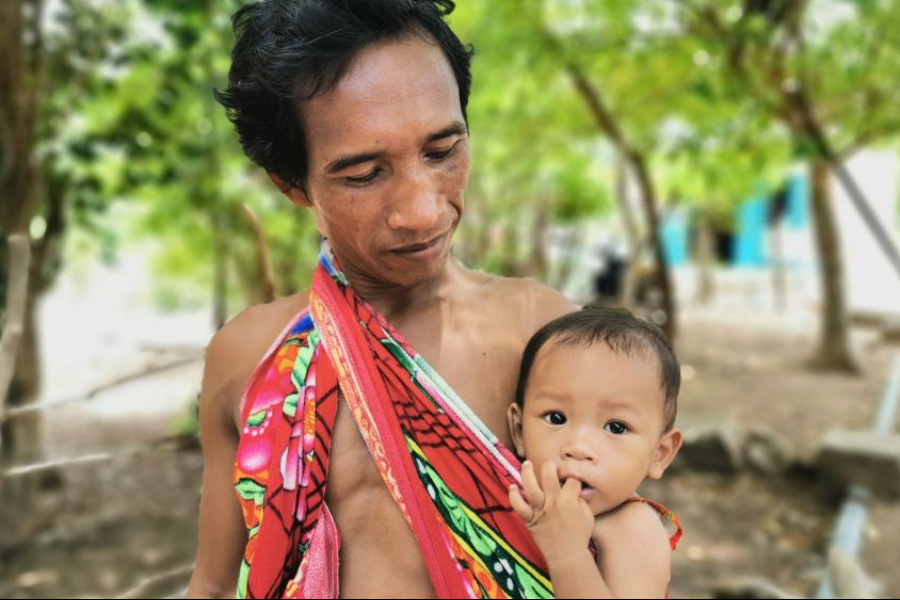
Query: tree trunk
570,257
259,279
17,94
706,283
478,254
537,260
779,272
23,435
632,235
15,302
610,127
509,261
20,72
663,273
220,265
834,351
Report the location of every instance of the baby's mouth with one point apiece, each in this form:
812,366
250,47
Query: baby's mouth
584,485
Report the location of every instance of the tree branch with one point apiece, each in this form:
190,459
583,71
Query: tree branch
20,259
262,253
595,102
823,146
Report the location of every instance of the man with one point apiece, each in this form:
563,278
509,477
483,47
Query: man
356,109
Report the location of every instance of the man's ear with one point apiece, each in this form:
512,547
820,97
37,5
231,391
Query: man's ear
514,422
666,450
295,194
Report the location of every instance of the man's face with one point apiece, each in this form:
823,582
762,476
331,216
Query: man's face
389,162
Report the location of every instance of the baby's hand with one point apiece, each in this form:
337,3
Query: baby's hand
559,519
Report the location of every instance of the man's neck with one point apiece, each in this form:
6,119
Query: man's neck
393,301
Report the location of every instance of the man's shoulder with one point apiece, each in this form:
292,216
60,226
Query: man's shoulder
527,286
257,326
530,302
266,320
519,287
238,347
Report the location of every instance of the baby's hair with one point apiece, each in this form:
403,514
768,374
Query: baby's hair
621,332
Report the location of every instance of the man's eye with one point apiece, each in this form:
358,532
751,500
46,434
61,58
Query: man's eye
616,427
363,179
555,418
443,153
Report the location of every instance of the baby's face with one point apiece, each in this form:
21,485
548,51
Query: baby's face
598,416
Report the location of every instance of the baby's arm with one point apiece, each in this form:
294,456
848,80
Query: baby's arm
561,523
633,552
630,562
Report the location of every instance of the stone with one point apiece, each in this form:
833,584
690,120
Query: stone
754,588
712,444
868,459
766,453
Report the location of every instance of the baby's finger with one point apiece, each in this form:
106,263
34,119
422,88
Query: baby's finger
533,491
519,505
585,508
571,490
549,480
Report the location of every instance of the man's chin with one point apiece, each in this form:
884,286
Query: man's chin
411,275
417,276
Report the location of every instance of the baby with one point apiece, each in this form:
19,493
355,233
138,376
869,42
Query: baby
594,416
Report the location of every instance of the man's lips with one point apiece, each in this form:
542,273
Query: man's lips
419,246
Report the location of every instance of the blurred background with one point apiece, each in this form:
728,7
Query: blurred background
726,168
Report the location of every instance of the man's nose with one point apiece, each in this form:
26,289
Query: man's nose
416,204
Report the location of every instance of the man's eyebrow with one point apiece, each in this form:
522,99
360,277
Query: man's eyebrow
457,128
348,160
342,162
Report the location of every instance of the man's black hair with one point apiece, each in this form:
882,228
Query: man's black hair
288,51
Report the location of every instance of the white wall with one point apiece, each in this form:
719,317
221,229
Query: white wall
872,284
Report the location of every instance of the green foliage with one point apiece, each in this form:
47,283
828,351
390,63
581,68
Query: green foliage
131,119
136,123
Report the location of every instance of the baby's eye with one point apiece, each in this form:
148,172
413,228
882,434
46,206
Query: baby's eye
555,418
616,427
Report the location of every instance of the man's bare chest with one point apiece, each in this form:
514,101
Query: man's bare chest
483,376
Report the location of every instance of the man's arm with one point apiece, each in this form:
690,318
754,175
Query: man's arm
231,359
222,531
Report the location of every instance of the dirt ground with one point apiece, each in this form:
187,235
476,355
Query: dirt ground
751,367
97,530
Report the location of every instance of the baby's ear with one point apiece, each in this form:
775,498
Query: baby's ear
514,422
666,450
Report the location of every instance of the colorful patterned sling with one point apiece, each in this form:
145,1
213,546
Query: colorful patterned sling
448,474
